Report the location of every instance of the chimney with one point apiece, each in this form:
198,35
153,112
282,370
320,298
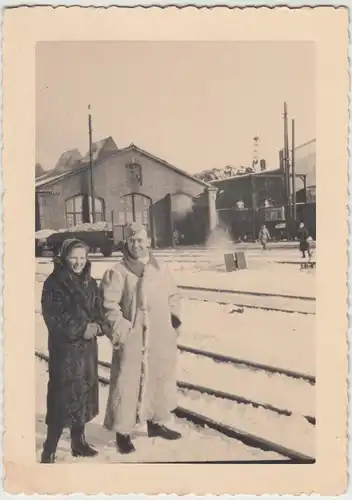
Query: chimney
262,165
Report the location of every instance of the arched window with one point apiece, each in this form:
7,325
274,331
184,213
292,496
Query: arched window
77,210
99,209
134,207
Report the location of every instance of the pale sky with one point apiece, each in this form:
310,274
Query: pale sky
196,105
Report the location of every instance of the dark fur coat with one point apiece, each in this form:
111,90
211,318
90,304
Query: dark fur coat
69,303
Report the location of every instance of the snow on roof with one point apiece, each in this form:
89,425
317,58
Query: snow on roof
250,174
67,160
43,181
106,145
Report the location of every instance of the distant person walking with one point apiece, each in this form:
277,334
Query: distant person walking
264,236
141,305
72,313
304,245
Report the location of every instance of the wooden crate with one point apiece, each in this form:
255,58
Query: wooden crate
230,262
235,261
241,261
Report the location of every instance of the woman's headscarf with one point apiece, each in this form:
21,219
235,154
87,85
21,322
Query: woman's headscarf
67,246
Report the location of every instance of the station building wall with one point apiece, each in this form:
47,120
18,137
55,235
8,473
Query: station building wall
169,194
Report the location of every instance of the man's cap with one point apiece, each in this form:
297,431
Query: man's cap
134,230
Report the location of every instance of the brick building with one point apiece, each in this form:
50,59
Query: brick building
129,184
246,201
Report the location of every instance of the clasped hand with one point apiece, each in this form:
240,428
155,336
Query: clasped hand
91,331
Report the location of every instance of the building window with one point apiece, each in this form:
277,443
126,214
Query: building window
99,209
135,207
77,210
134,173
274,214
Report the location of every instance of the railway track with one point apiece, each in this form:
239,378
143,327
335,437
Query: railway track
251,300
242,304
230,431
245,292
222,358
225,395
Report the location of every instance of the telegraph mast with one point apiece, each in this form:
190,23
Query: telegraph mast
293,164
255,152
286,161
92,194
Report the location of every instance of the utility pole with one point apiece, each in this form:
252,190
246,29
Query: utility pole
255,153
92,193
294,215
287,170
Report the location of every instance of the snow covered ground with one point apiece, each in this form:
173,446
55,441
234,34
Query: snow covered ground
276,338
293,432
273,278
268,277
196,444
270,337
285,393
251,301
280,339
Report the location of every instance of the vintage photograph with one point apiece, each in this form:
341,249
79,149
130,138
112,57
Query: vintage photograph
175,252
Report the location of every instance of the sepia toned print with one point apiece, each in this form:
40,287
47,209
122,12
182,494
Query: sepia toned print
177,256
241,348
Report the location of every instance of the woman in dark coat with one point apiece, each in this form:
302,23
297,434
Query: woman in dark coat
72,312
303,240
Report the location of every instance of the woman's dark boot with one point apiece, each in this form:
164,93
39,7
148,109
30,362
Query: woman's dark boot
48,457
124,444
79,446
50,445
157,430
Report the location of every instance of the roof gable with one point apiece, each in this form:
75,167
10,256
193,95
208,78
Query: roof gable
101,149
105,153
133,147
67,161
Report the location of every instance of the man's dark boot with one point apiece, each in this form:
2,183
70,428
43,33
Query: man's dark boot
157,430
79,446
124,444
50,445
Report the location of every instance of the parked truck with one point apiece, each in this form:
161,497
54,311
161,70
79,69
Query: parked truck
97,236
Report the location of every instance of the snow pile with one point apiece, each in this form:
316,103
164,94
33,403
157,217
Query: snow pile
293,432
87,226
285,393
42,234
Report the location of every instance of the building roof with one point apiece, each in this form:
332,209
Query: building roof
46,179
84,163
305,163
250,174
68,160
101,149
